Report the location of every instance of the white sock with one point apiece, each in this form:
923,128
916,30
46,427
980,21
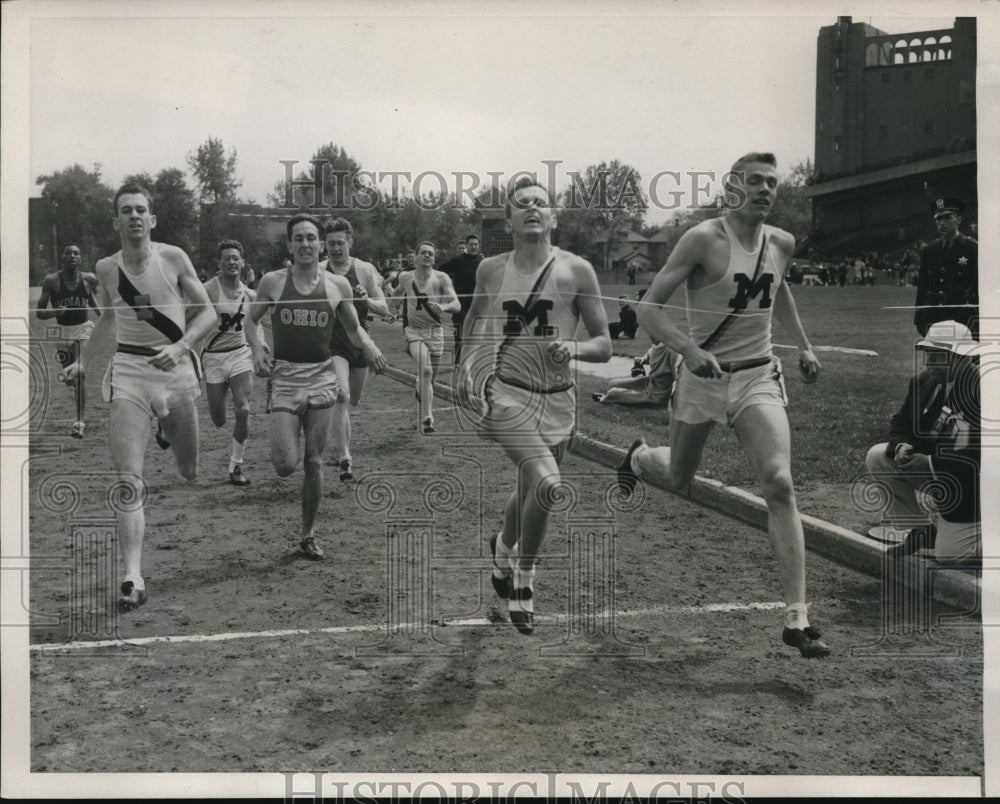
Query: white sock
796,616
524,579
238,450
504,559
137,581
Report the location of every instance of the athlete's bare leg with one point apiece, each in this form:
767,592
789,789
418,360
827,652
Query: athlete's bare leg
128,433
316,425
763,430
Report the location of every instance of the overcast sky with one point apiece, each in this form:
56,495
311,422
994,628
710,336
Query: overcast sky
428,86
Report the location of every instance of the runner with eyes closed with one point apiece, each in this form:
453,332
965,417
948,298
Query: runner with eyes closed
518,339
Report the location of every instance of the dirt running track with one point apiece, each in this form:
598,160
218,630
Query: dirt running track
688,676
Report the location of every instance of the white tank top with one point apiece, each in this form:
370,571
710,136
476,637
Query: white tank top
748,334
523,358
149,309
231,319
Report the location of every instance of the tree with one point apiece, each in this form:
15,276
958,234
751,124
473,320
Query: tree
608,198
214,171
338,170
81,205
176,211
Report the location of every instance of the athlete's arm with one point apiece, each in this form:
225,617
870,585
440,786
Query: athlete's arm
400,291
447,293
90,282
340,296
788,315
370,286
204,319
477,351
653,315
597,347
45,298
253,329
264,302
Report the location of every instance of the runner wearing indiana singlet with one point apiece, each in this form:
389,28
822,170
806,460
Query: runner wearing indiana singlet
71,294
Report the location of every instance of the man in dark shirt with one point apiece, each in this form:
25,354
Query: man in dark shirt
934,441
462,270
628,322
949,272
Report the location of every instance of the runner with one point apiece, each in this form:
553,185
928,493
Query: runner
352,369
303,302
227,359
734,272
71,293
149,286
426,293
520,336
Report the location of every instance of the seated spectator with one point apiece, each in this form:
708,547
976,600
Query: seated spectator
654,388
628,323
934,442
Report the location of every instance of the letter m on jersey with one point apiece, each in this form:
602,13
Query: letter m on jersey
747,289
518,318
230,322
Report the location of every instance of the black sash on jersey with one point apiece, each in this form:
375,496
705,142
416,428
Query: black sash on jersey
721,329
235,318
418,294
511,336
143,311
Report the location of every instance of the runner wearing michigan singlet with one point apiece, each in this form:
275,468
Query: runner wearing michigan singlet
741,343
303,377
530,385
227,358
521,331
733,269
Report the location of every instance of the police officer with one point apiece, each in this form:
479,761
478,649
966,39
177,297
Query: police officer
949,272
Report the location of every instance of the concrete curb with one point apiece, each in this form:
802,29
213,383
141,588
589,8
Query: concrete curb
956,588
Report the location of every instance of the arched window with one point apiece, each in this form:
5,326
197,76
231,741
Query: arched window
944,49
885,53
871,55
930,49
899,57
914,51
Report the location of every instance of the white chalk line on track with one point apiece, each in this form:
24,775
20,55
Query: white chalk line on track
550,620
406,410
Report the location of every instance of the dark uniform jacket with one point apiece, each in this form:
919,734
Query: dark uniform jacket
945,424
948,275
462,270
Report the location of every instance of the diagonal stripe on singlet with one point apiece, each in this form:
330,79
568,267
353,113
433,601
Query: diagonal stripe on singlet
156,319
